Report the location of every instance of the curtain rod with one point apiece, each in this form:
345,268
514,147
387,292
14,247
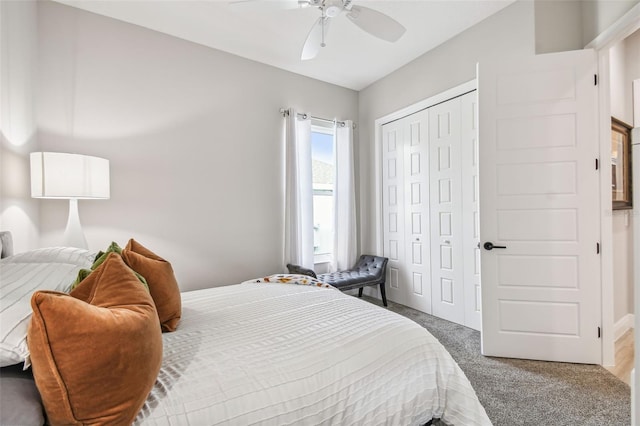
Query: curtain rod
304,116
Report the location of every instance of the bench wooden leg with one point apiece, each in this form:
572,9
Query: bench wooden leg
360,291
383,294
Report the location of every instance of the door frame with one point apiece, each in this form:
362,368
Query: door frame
618,31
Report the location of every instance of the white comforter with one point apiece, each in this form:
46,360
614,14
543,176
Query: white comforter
277,354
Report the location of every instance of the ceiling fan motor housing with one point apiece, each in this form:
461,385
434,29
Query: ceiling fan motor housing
332,8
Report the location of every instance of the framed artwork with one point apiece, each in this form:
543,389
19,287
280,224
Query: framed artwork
621,165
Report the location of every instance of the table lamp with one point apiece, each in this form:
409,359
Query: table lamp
73,177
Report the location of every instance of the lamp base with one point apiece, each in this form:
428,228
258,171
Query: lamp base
73,235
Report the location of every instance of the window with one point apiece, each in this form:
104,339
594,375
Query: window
323,164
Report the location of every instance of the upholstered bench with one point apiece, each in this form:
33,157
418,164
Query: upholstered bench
368,270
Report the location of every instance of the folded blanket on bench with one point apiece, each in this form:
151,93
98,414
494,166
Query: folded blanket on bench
368,270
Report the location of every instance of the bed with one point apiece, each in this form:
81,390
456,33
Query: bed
269,351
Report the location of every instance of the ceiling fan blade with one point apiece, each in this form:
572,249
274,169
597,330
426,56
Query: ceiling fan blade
315,38
271,4
376,23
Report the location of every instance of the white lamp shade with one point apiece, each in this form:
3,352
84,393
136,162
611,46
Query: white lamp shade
61,175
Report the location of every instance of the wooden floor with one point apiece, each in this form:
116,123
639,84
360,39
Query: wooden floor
624,357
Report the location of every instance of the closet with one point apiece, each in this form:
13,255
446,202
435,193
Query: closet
430,210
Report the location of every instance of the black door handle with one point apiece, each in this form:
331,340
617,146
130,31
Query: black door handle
489,246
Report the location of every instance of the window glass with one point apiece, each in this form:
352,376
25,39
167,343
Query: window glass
323,162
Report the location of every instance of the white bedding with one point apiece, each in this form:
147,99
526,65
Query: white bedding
278,354
52,268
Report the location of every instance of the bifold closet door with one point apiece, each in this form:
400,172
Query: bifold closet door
455,257
445,177
470,217
430,210
406,210
393,209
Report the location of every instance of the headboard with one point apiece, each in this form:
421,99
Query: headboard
6,244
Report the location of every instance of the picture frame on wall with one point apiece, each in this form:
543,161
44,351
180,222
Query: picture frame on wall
621,190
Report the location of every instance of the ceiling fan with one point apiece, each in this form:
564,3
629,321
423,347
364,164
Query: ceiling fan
373,22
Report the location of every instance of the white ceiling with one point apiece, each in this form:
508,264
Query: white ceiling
262,31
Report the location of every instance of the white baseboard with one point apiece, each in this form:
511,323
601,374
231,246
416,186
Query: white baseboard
622,325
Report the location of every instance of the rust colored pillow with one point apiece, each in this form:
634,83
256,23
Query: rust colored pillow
161,280
97,351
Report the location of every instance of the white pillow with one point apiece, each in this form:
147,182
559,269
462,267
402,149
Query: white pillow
52,268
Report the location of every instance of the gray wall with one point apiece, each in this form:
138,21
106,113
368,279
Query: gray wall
563,25
193,136
598,15
558,25
18,59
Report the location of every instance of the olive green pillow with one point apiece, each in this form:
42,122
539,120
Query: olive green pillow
100,257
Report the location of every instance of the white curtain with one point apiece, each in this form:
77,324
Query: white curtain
344,200
298,232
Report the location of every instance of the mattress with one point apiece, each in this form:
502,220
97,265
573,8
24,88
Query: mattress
277,354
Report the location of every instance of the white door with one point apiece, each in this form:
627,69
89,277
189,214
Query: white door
455,257
470,218
539,198
393,209
406,210
445,178
416,190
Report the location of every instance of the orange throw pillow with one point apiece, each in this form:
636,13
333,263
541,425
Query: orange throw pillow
97,351
161,280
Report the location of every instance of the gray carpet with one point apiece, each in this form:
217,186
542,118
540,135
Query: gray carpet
521,392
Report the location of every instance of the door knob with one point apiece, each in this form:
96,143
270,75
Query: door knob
489,246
